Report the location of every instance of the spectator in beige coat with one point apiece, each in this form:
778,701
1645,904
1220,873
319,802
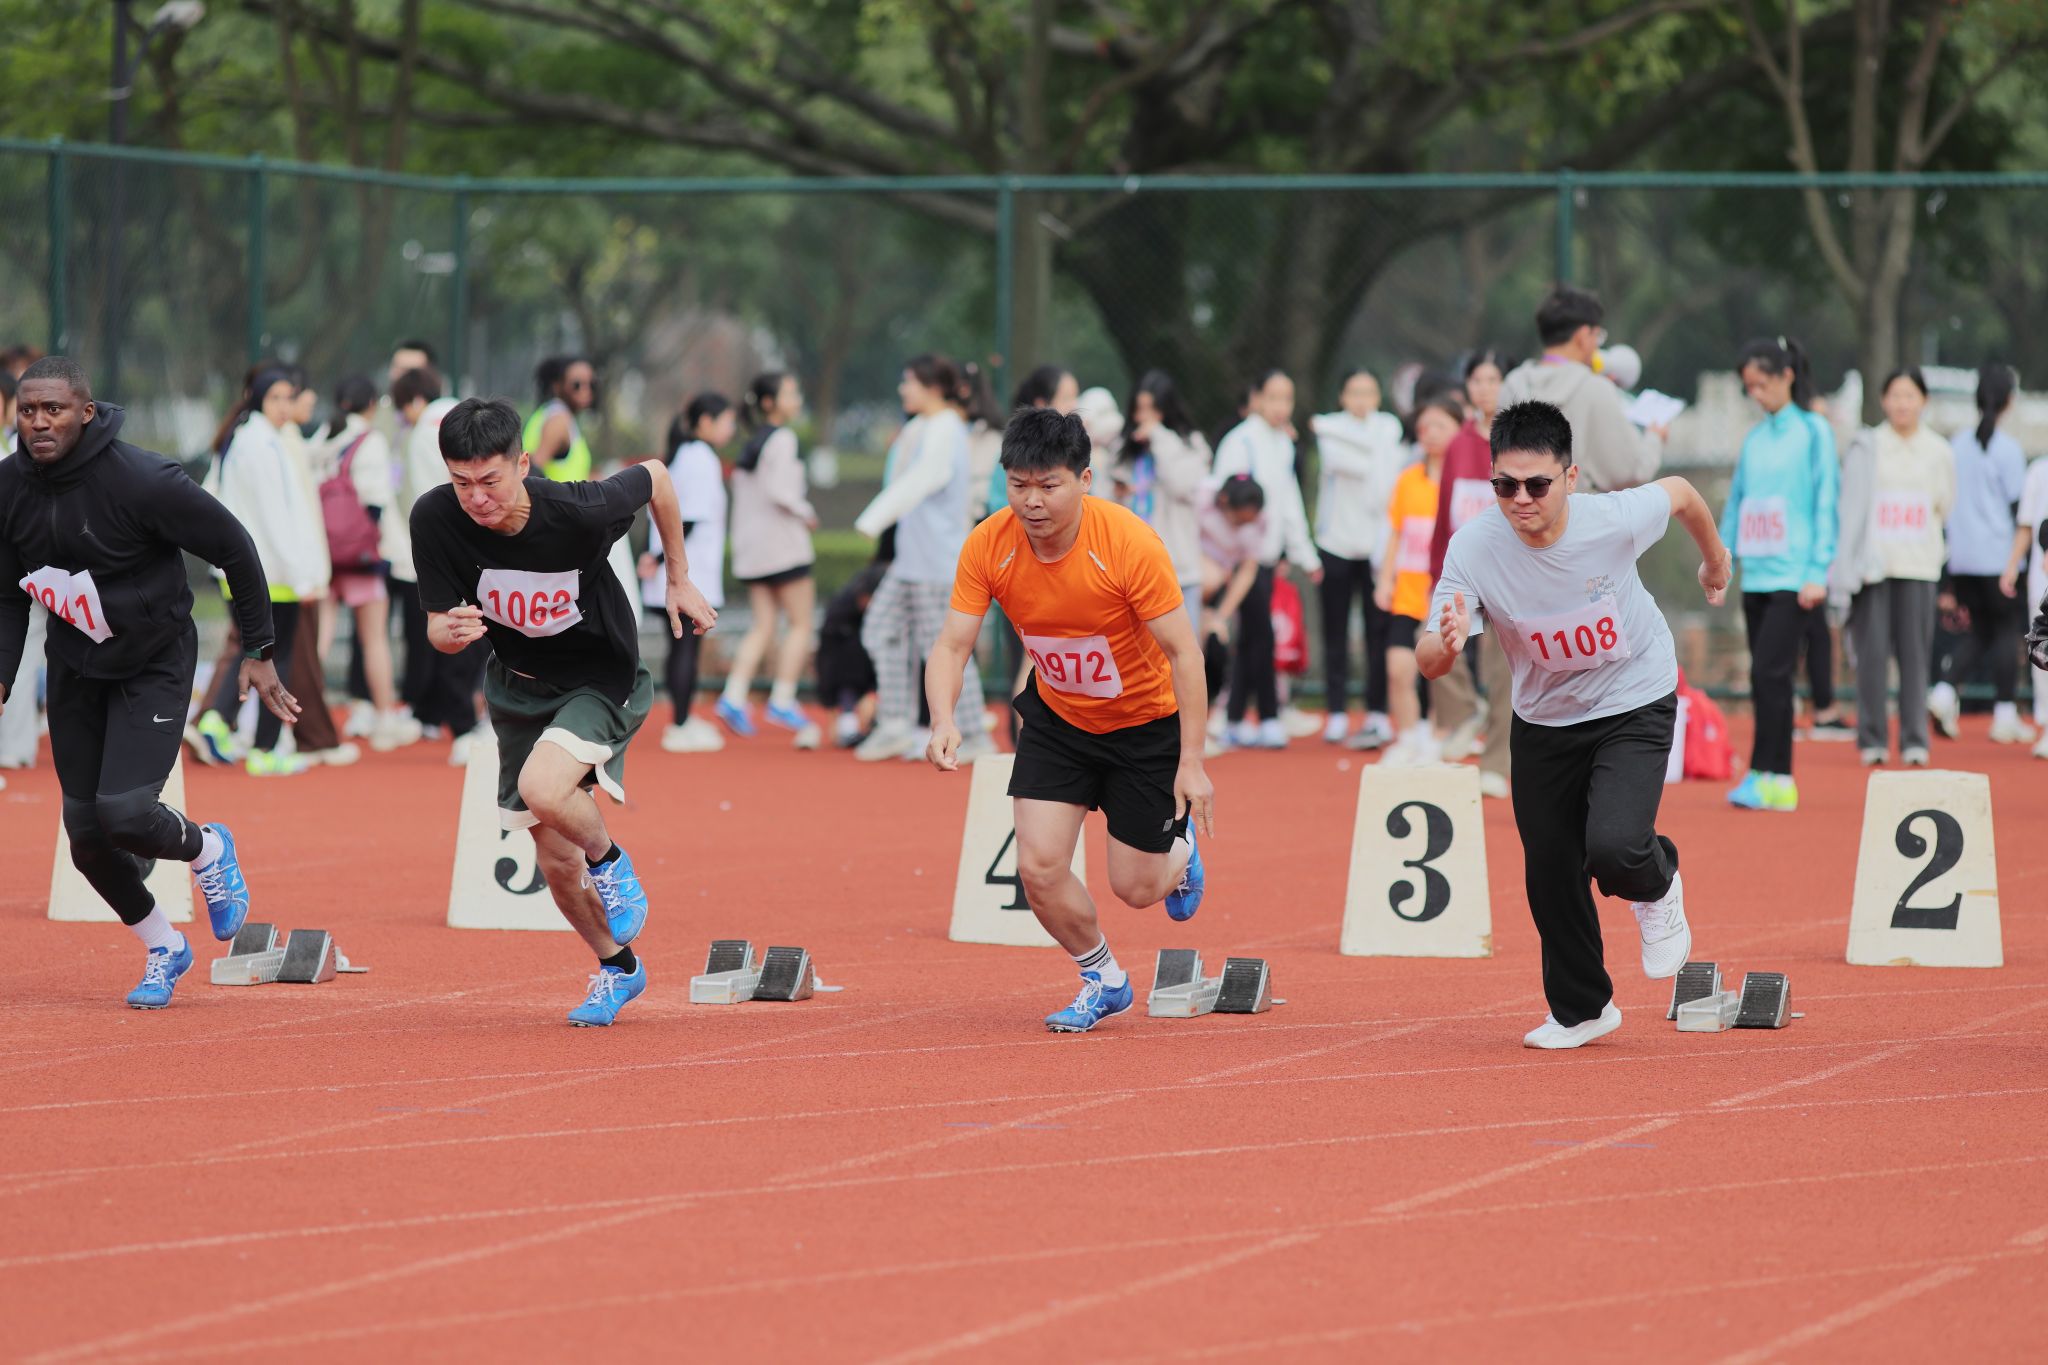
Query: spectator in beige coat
772,521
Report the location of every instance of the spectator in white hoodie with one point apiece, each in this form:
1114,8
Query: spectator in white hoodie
1160,471
1362,454
1262,445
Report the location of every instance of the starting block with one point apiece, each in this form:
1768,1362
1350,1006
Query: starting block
1765,1001
1695,981
1180,991
254,958
732,977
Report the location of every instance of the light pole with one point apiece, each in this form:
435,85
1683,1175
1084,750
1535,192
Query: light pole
174,16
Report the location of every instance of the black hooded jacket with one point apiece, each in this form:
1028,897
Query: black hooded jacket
121,515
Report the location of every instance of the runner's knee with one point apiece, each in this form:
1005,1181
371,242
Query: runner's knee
545,795
90,846
128,818
1614,856
1042,870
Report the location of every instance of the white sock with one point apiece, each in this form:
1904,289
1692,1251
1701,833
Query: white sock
734,696
156,931
1102,962
783,695
210,849
2006,713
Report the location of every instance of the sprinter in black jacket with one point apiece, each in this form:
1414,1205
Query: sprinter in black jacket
92,528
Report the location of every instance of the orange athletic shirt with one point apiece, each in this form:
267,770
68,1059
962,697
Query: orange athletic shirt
1413,513
1083,617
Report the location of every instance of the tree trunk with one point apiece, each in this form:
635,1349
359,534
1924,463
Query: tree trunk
1030,291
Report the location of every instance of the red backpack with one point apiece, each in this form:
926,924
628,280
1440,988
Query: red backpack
1290,635
351,531
1709,755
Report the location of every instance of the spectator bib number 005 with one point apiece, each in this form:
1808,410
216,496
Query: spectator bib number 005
1761,531
72,597
534,604
1574,641
1085,667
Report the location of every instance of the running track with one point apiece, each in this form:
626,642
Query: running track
426,1163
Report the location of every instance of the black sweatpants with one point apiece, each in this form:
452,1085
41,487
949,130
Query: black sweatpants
1343,580
1820,659
1996,623
1777,629
1253,677
1586,800
681,674
114,741
227,699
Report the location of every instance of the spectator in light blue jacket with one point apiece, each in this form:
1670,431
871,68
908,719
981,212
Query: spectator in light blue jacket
1781,520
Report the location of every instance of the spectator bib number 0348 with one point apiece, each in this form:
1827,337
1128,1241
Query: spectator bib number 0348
534,604
71,597
1574,641
1084,667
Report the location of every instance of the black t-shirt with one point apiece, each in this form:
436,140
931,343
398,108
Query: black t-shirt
553,608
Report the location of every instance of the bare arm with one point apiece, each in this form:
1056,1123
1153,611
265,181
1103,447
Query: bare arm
1690,510
2022,545
1193,794
684,598
1241,580
943,671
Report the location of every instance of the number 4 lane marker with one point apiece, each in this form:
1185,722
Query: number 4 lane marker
1926,874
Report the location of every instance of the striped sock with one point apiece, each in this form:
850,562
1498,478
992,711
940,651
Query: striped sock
1102,962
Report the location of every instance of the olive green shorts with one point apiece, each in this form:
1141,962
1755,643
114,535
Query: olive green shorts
584,721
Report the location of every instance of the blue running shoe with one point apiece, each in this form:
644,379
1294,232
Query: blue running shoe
625,900
787,717
610,989
160,977
1185,899
1749,793
227,894
1095,1003
735,718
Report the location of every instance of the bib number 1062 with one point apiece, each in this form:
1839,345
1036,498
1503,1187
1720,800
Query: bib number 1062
534,604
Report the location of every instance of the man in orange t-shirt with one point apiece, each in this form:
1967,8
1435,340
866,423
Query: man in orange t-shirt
1114,716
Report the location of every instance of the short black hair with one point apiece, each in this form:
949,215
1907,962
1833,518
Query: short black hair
1534,427
423,383
415,344
1564,312
1038,439
480,429
60,367
1241,491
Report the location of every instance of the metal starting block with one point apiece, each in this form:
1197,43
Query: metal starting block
253,959
1695,981
731,976
1766,1000
1710,1013
1180,991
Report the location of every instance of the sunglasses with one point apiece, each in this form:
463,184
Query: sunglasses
1539,487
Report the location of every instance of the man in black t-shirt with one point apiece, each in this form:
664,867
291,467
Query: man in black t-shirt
517,558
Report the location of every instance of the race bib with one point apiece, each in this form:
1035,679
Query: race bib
72,596
1084,667
1577,640
1412,555
1469,498
534,604
1903,516
1761,532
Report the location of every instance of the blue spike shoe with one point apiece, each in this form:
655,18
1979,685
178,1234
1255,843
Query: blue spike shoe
610,991
1748,793
624,899
1095,1003
160,975
735,718
226,892
1185,899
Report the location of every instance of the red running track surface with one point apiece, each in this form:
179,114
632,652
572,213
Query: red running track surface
425,1162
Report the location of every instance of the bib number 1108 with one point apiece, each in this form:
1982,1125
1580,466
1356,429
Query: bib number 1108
1583,642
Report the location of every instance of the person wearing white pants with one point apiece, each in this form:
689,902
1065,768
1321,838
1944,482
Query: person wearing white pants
20,726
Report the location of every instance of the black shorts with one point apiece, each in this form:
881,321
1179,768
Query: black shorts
1402,632
779,578
1126,774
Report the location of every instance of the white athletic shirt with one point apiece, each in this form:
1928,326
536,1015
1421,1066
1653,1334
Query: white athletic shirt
699,478
1582,633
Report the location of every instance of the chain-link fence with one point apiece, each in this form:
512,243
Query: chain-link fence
168,274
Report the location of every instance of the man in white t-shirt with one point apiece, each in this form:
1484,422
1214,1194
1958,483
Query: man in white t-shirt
1595,683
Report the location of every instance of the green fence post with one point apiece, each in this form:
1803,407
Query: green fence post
1567,205
1006,262
59,209
259,231
458,285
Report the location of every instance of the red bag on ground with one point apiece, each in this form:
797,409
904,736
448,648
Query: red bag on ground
1709,756
1290,636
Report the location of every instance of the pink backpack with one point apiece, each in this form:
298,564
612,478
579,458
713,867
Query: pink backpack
351,531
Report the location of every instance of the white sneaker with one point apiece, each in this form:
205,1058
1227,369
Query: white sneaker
1218,723
1243,735
888,741
1213,747
1374,733
1463,742
694,736
2011,730
1917,757
1945,708
340,756
1494,785
1553,1035
810,737
1873,758
1297,724
846,730
975,746
1273,734
361,718
458,752
1667,938
395,730
1399,754
1336,728
2041,749
920,740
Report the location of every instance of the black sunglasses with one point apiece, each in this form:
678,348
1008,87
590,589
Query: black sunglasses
1539,487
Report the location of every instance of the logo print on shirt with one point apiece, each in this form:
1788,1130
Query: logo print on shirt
1603,586
1098,563
1006,561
